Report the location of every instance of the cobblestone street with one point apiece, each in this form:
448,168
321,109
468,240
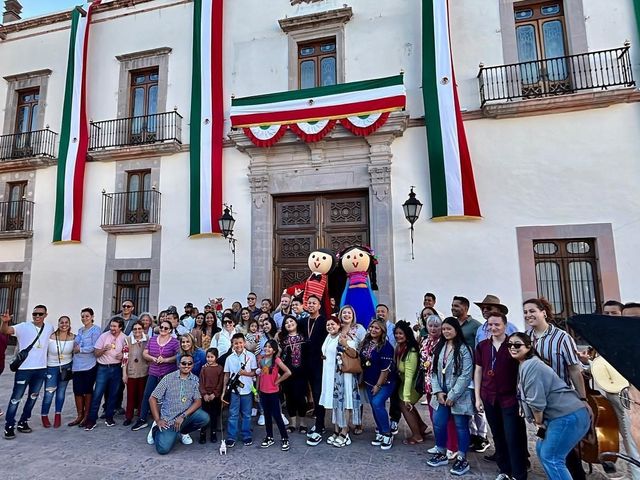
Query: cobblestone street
117,452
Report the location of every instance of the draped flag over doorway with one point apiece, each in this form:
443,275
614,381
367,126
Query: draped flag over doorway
74,133
453,190
207,118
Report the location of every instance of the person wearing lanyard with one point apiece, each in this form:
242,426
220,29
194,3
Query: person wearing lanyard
108,351
496,379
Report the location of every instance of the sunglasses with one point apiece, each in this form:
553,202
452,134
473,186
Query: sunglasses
127,306
186,364
164,328
517,346
37,314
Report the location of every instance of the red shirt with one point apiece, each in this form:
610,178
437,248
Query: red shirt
501,385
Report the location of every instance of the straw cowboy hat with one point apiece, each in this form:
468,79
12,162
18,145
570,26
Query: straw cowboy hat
606,377
493,300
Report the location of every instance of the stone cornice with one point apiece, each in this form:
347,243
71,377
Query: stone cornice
45,72
24,164
315,20
143,54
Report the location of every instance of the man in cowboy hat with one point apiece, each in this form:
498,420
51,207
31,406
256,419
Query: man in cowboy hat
491,304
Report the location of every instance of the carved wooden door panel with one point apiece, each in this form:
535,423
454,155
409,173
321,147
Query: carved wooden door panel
306,222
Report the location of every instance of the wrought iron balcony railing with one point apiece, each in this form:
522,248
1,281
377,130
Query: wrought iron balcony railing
556,76
39,143
132,131
16,216
130,208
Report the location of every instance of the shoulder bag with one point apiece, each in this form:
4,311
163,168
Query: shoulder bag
22,355
350,364
65,375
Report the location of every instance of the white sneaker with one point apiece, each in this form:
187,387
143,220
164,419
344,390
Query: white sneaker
433,450
285,420
186,439
254,412
150,440
261,420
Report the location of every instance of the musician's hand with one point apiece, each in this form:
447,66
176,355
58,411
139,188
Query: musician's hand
584,357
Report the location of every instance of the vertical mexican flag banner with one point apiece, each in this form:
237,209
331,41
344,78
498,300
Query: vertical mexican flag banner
207,118
74,133
453,190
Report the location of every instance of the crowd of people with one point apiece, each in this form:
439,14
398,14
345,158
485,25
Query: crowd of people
185,370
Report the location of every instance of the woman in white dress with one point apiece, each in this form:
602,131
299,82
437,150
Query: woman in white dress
351,392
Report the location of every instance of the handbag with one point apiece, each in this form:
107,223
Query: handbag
22,355
350,364
66,374
419,385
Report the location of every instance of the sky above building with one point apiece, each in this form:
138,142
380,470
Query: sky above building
34,8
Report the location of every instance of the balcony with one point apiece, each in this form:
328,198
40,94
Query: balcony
131,212
27,149
591,73
16,219
157,134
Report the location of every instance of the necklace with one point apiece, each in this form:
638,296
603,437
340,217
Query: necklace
183,394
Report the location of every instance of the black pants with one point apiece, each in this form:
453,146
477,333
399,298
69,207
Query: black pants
394,405
213,409
507,427
574,465
315,380
271,407
295,392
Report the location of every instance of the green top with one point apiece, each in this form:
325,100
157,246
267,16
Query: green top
407,370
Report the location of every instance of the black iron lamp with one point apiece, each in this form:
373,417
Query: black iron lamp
412,207
226,223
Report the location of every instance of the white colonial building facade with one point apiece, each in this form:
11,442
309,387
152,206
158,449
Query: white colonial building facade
554,145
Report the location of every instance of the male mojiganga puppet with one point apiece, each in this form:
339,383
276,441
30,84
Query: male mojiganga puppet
321,262
359,263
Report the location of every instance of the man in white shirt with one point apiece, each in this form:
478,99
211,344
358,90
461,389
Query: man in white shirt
31,374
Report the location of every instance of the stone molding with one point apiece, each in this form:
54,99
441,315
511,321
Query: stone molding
126,229
145,53
137,151
31,163
338,16
297,2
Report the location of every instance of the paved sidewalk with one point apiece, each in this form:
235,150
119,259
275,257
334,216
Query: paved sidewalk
117,452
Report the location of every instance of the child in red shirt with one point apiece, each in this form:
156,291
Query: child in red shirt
269,380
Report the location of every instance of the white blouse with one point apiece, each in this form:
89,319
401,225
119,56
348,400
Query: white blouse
59,352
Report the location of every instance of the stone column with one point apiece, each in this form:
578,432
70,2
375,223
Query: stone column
261,228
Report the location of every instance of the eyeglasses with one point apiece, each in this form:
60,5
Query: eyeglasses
127,306
517,346
164,328
138,328
186,364
38,314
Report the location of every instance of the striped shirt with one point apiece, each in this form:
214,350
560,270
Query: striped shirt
176,395
557,349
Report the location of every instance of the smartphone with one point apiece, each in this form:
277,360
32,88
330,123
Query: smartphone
541,433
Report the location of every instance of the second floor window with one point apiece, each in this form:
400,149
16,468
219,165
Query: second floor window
16,209
317,63
138,196
144,104
27,110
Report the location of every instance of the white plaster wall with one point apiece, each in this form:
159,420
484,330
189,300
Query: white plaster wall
133,246
12,250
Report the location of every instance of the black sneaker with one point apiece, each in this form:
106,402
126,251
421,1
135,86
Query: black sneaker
267,442
387,442
127,422
438,459
23,427
89,426
460,466
248,442
139,425
394,427
314,439
109,422
481,445
9,433
230,443
285,444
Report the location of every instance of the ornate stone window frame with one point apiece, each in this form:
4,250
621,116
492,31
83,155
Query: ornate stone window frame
315,26
23,81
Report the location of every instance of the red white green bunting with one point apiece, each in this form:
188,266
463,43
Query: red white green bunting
74,133
207,118
361,107
453,191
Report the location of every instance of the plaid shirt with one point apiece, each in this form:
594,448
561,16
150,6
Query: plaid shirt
176,394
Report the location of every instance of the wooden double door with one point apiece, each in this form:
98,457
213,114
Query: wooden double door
304,223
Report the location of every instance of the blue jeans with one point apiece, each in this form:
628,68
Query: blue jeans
378,406
240,406
54,387
440,419
23,379
152,383
166,439
563,433
107,381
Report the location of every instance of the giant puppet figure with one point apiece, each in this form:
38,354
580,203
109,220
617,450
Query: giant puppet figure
359,263
321,262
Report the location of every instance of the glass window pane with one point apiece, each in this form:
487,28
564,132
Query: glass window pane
582,287
306,51
152,102
328,71
138,103
524,14
142,300
153,77
4,299
328,47
16,303
34,115
545,248
22,122
126,277
550,9
144,276
553,36
578,247
527,52
308,74
549,285
138,79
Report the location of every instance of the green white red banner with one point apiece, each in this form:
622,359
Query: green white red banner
74,133
207,118
453,191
